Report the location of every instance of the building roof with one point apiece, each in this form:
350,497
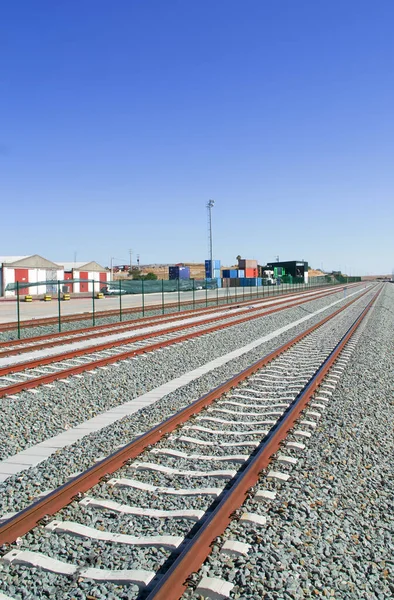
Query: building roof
29,262
83,266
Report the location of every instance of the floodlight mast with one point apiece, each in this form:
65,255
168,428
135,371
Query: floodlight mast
209,208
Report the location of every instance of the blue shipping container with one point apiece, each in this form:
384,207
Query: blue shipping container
230,273
241,273
248,281
216,263
179,272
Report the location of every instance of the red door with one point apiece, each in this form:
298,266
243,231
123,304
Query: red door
83,284
22,275
69,285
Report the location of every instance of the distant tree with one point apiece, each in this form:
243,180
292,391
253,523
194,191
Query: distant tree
138,276
239,257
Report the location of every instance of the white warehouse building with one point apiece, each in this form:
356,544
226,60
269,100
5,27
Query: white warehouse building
97,275
26,270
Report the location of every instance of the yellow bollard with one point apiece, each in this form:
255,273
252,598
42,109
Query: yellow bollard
66,296
47,298
28,299
100,295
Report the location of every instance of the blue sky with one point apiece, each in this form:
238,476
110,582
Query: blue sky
119,120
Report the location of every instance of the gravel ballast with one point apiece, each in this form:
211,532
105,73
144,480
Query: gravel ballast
80,551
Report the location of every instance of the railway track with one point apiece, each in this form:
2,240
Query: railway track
46,365
40,322
13,347
207,457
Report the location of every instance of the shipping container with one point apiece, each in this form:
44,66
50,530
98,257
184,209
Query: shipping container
241,272
231,282
251,272
216,263
248,281
247,264
179,272
230,273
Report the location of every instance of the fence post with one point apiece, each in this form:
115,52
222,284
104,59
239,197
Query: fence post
143,298
194,293
93,314
18,310
120,300
179,294
162,296
58,306
243,291
217,293
206,293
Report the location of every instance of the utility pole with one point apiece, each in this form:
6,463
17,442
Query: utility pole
138,260
209,209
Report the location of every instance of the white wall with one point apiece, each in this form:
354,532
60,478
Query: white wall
34,275
8,277
91,275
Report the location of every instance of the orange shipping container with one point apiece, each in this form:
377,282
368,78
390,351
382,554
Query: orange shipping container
250,272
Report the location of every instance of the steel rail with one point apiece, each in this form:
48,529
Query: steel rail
173,583
27,519
50,377
113,312
30,344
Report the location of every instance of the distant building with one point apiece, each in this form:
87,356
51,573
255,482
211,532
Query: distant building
295,268
82,270
28,269
25,270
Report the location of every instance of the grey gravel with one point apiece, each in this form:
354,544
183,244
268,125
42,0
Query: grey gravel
23,488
